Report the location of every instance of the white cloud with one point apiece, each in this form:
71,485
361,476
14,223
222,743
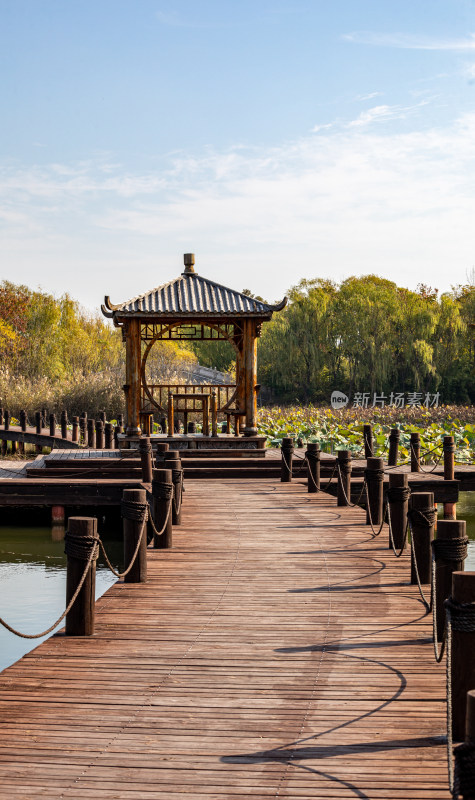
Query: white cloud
352,200
370,96
408,41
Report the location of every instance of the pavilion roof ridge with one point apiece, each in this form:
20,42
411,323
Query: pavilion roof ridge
190,293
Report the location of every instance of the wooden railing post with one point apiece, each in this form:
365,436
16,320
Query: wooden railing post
23,419
463,647
38,422
145,450
99,434
7,418
91,434
313,467
214,414
75,429
1,416
132,529
393,454
465,753
368,441
422,516
64,424
450,551
52,424
450,509
415,452
102,416
374,476
80,538
287,449
398,499
120,421
162,494
173,463
83,428
171,416
109,436
344,478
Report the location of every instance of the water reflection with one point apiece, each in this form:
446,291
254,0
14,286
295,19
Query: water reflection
33,583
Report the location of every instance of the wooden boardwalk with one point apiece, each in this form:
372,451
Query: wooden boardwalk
276,652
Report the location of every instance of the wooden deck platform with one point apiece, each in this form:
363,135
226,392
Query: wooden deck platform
276,652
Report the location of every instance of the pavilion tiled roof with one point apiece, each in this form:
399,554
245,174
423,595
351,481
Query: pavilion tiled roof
191,294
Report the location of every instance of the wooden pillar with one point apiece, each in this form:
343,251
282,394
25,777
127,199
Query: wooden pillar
421,512
344,478
398,498
415,452
450,509
313,467
368,441
465,753
450,549
394,437
162,493
80,538
463,648
374,475
214,414
240,374
250,376
171,416
133,363
132,530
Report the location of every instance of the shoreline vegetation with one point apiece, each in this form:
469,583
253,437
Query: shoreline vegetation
364,334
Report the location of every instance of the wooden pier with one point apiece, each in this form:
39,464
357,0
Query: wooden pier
277,651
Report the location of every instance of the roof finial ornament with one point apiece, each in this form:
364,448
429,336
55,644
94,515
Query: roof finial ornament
189,260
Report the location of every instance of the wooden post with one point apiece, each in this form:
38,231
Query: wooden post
465,753
109,436
145,450
102,416
224,427
75,430
450,509
52,424
99,434
237,424
191,427
58,515
1,416
228,423
83,428
250,376
344,478
23,419
287,450
80,537
133,363
398,498
463,649
132,530
64,424
368,441
171,416
394,437
313,467
173,463
206,399
214,415
162,492
120,421
450,551
161,450
117,429
91,434
38,421
422,517
374,476
7,419
415,452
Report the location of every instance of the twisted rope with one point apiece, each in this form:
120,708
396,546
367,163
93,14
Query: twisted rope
75,550
347,500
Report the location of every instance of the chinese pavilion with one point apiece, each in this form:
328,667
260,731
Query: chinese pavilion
190,307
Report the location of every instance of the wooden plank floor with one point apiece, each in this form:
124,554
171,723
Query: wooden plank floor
276,652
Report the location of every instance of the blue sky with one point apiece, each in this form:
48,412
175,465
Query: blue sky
276,140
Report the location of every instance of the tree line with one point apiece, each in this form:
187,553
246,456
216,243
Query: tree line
368,334
364,334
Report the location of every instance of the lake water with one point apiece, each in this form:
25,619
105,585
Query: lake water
33,583
33,577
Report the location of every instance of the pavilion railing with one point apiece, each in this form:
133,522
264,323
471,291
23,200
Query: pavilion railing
160,392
